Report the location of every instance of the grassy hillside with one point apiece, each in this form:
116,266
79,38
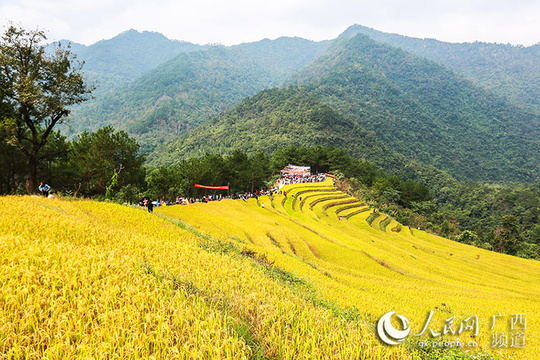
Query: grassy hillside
236,280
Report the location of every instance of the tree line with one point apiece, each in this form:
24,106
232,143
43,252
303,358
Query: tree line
505,219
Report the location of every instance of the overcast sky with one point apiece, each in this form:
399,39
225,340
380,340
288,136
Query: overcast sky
235,21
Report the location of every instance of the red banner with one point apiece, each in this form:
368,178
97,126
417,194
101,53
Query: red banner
225,187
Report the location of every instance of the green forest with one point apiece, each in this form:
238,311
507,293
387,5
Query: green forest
426,112
415,107
189,89
510,71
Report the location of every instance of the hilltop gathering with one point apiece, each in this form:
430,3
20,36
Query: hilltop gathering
292,174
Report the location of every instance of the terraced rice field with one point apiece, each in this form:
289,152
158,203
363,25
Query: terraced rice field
234,279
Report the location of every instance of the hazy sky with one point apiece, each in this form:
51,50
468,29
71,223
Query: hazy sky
235,21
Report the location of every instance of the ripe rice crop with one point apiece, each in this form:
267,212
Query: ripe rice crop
356,206
232,279
355,212
339,203
358,269
88,279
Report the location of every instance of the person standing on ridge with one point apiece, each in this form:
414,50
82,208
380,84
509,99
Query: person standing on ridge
44,189
148,203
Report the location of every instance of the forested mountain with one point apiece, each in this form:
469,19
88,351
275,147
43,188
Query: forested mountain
414,106
508,70
277,120
426,112
187,90
270,120
113,62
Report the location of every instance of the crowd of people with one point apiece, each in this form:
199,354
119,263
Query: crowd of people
205,199
218,197
285,179
288,179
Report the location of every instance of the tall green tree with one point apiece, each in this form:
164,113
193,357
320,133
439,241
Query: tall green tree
37,88
167,183
507,237
96,158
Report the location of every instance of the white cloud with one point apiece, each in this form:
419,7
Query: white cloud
235,21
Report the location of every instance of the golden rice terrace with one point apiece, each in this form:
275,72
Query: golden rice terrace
303,276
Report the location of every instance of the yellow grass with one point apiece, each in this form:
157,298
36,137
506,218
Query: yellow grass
231,279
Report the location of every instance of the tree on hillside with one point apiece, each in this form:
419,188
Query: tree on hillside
96,158
36,90
507,238
167,183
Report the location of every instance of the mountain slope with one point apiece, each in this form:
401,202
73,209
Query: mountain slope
270,120
425,111
372,264
416,108
114,281
187,90
509,71
125,57
278,118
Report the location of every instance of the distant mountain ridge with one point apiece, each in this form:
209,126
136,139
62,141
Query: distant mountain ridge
426,112
189,89
125,57
415,106
508,70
